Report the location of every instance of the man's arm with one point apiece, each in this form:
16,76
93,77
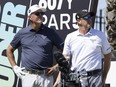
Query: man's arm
106,66
58,80
18,70
10,55
55,67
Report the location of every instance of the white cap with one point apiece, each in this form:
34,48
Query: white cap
35,8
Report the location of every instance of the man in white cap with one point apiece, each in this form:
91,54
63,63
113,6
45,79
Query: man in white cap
36,41
85,48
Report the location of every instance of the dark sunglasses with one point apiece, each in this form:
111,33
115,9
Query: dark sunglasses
87,17
39,13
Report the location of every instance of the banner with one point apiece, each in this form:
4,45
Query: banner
60,16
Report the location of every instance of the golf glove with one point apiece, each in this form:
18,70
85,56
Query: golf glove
18,71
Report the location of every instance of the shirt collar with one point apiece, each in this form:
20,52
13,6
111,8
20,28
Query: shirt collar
89,33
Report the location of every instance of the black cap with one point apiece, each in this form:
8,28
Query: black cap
84,14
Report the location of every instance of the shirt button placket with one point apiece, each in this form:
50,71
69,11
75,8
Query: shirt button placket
35,38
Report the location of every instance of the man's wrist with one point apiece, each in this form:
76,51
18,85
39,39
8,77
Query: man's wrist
15,66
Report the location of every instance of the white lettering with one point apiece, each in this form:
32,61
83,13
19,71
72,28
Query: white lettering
43,3
53,21
69,3
51,4
54,4
60,4
65,22
45,19
74,24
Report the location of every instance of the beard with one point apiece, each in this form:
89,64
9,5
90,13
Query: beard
38,21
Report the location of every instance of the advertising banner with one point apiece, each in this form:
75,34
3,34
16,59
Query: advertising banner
60,16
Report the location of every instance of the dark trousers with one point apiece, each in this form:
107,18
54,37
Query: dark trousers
70,84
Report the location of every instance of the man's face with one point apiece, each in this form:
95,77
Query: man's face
84,22
36,17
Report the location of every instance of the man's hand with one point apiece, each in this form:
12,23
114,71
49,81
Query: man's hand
51,70
18,71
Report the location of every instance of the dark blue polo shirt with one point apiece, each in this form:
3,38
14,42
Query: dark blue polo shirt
37,47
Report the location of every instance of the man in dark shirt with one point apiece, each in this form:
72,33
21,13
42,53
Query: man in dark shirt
36,41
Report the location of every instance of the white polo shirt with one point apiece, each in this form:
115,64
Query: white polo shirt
86,50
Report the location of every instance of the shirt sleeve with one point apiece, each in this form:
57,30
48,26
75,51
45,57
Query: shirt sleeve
15,43
66,50
106,48
58,42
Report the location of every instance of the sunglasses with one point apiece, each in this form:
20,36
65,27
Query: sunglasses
39,13
87,17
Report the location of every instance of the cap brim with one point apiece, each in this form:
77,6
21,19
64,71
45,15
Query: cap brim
89,14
